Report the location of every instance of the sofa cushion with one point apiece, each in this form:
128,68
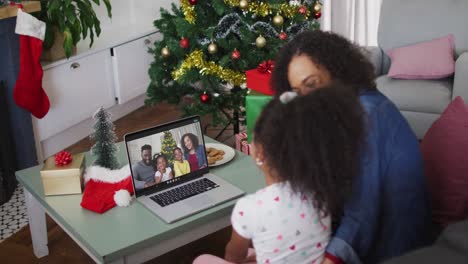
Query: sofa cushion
444,149
427,96
426,60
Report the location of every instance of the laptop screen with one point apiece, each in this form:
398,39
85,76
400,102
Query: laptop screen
165,155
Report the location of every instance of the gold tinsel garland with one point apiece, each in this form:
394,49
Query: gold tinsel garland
264,9
195,60
189,11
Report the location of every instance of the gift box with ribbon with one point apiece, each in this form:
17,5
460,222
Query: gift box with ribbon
259,79
242,144
63,174
254,103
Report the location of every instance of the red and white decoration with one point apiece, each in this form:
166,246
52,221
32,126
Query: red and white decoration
107,188
242,144
28,92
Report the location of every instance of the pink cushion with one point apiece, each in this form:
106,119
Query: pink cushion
426,60
445,154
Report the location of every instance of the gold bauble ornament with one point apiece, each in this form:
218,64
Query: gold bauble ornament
212,48
165,52
317,7
243,4
260,42
278,20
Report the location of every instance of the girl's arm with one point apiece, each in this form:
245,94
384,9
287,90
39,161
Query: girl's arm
237,248
157,177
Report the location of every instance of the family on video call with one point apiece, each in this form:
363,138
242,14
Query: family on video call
151,170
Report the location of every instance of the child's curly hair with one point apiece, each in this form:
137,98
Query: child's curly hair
314,143
344,61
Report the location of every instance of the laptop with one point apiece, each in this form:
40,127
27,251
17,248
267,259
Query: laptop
175,189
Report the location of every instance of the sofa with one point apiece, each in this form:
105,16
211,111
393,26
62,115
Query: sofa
406,22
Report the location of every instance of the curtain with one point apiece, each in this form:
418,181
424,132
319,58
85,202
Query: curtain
356,20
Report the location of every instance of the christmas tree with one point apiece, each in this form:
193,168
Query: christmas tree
167,148
104,149
208,45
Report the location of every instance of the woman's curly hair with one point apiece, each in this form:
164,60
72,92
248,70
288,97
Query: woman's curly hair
344,61
314,143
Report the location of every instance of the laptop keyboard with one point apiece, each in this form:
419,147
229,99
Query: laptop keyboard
184,192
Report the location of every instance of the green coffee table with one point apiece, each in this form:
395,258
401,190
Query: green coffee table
128,234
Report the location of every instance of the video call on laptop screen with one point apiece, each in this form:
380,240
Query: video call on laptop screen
162,156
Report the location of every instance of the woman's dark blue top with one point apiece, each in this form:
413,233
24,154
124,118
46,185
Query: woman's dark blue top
389,211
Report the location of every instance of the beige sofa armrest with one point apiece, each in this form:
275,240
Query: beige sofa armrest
460,83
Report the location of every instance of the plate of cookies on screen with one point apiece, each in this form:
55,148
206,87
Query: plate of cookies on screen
218,154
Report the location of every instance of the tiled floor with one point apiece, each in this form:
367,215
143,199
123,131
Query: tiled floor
13,215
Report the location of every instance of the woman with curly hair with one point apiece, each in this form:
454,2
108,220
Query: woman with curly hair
194,152
388,213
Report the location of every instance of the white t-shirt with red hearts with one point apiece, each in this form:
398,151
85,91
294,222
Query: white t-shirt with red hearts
284,226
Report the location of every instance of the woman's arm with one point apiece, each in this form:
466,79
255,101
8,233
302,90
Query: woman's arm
237,248
358,227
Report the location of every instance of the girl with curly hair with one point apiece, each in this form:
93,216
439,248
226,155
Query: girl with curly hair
289,220
388,213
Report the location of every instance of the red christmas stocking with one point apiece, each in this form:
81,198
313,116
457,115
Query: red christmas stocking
28,92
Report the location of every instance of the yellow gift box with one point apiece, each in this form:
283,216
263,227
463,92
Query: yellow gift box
66,179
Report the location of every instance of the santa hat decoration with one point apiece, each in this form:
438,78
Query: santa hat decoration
106,188
28,92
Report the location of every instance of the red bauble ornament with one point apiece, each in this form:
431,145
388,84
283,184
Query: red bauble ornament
317,15
283,35
302,10
184,43
235,55
63,158
204,98
193,2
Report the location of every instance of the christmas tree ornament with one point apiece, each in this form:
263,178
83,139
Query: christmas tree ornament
317,7
283,35
28,92
235,55
278,20
260,42
216,94
302,10
317,15
165,52
212,48
193,2
184,43
204,98
244,4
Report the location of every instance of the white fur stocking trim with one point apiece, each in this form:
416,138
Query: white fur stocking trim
28,25
101,174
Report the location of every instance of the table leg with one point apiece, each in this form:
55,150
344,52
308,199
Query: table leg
37,225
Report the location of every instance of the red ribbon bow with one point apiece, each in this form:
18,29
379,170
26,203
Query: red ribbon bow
63,158
266,66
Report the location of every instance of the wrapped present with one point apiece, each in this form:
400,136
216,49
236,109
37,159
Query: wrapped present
254,103
61,178
259,79
246,147
242,136
242,144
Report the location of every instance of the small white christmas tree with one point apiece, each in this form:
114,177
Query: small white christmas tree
104,135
